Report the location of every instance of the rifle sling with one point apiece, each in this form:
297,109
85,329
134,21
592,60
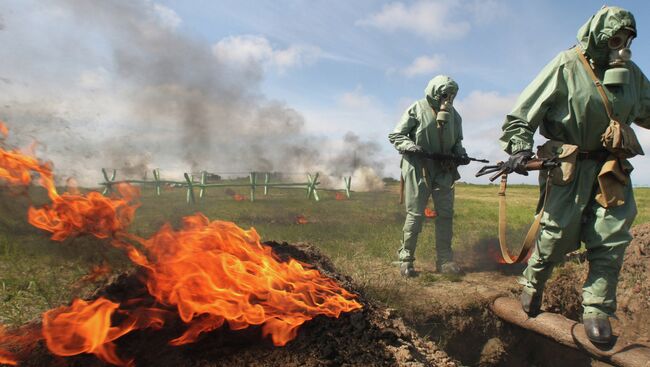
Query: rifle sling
533,231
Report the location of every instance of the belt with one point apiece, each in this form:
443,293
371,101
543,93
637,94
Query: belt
595,155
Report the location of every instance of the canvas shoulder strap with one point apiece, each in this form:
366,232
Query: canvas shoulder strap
594,78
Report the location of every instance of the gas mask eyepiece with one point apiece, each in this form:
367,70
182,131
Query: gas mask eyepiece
620,53
446,105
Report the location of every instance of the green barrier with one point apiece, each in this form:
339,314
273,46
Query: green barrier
311,186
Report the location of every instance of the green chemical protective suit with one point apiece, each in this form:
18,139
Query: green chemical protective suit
423,177
564,103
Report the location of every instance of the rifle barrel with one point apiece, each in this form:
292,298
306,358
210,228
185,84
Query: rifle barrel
479,160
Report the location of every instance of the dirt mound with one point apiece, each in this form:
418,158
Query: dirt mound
564,293
370,337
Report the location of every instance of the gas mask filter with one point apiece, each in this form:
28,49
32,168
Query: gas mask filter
619,54
446,102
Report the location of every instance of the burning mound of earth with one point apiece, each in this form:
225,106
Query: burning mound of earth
371,336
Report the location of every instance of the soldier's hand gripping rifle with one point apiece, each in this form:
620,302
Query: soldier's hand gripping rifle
502,169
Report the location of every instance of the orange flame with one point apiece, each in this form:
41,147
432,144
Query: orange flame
7,358
69,214
494,252
3,130
430,213
301,219
340,196
216,272
16,168
85,327
92,213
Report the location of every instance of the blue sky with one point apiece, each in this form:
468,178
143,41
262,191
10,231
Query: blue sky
341,66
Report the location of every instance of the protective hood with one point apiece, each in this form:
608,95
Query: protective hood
594,34
437,86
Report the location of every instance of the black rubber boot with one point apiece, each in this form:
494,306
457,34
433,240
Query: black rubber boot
532,304
407,270
450,268
598,329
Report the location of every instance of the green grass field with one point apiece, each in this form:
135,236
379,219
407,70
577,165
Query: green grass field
361,235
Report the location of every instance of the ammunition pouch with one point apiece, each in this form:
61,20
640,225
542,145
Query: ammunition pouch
566,154
612,179
620,140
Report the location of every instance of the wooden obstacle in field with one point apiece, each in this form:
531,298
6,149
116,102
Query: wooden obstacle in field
311,186
571,334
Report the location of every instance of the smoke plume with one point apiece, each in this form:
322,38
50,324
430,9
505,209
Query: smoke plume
125,88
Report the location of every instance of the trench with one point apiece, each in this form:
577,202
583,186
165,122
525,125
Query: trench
475,336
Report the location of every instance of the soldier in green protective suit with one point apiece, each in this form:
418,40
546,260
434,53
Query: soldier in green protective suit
565,103
430,125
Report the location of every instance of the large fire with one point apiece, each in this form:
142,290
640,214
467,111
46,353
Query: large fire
209,272
216,272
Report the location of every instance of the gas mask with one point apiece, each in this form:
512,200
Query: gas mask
446,106
619,55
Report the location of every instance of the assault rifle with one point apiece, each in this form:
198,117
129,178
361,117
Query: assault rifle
447,157
500,168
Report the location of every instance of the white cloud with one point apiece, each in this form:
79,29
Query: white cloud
296,55
423,65
355,99
247,50
243,49
167,16
485,106
432,20
355,112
